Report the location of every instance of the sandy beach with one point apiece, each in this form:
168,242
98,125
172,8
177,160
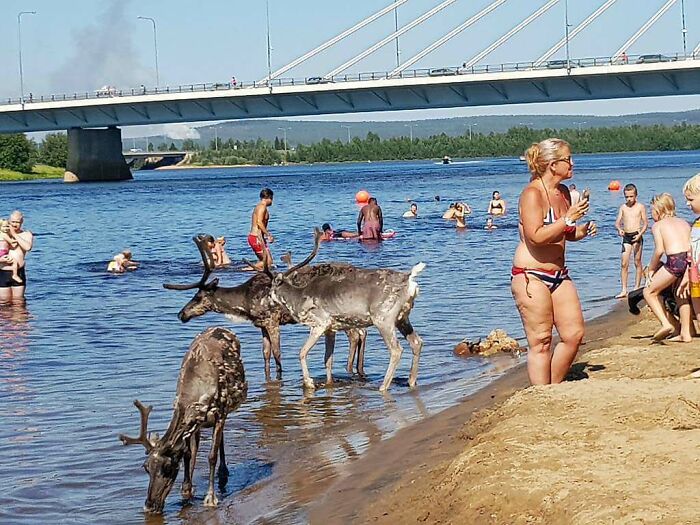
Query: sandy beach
617,443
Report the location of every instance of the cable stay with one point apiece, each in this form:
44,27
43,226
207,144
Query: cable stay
583,25
334,40
510,33
390,38
457,30
647,25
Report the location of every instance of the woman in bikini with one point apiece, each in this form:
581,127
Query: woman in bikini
544,293
497,206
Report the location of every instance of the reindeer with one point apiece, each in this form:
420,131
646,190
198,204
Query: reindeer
251,302
331,297
210,386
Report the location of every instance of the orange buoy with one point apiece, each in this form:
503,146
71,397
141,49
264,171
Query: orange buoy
361,197
614,185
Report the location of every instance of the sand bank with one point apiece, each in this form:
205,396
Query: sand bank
618,443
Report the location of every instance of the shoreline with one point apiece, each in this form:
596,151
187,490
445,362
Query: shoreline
458,467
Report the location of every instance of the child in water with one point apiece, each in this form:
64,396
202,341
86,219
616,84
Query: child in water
6,244
672,238
122,262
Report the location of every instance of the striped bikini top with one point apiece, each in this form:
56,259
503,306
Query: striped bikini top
550,218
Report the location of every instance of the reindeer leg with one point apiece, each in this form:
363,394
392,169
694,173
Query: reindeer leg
223,469
211,500
361,352
353,344
330,347
314,336
274,335
189,459
389,335
266,348
416,344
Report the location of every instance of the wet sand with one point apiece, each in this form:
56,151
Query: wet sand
619,442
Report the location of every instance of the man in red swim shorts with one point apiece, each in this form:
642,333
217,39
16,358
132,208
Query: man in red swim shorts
259,236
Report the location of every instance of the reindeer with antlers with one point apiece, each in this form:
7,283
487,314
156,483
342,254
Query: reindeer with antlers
332,297
251,302
210,386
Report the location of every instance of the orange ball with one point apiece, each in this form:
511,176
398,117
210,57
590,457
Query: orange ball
361,197
614,185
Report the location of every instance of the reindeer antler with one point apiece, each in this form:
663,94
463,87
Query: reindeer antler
317,243
142,439
209,265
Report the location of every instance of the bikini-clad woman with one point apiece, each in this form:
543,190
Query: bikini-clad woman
497,206
544,293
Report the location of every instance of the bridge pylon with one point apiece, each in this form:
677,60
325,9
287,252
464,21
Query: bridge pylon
95,155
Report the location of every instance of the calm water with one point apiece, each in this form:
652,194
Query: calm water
89,343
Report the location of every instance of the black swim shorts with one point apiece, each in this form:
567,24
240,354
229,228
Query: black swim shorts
6,280
628,238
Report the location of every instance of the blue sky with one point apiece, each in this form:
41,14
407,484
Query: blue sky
83,44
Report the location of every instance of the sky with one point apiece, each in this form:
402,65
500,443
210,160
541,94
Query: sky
81,45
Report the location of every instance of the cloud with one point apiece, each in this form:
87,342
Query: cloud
103,54
180,131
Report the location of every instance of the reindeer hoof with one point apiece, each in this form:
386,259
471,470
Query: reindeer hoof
211,500
186,492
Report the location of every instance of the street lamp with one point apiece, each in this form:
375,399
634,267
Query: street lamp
348,128
216,137
410,126
269,46
566,34
284,130
155,44
470,129
19,41
396,24
684,30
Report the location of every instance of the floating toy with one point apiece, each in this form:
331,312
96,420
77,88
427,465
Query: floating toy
362,197
614,185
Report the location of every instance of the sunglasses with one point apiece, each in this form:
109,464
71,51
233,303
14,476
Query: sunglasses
568,160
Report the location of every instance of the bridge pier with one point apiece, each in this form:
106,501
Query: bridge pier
95,155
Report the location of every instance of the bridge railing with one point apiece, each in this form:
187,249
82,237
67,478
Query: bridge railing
108,92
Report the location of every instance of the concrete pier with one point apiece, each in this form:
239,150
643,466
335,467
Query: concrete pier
95,155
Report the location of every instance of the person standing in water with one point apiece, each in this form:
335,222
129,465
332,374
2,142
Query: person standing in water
544,293
259,236
370,222
631,223
497,206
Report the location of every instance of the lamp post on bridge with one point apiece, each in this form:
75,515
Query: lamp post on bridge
684,30
155,45
410,126
348,128
19,41
269,45
566,35
396,25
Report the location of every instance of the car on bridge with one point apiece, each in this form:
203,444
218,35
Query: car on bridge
319,80
441,72
560,64
654,59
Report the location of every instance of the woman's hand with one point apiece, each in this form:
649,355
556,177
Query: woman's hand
578,210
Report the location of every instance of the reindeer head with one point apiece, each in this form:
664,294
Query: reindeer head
202,302
162,463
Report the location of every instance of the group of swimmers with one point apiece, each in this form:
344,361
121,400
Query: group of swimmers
458,212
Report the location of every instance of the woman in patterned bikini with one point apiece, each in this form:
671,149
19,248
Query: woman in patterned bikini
544,293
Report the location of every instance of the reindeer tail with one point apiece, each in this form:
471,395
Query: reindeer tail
412,284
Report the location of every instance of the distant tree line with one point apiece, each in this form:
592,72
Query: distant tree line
511,143
18,153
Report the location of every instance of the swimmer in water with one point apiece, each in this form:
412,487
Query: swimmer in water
489,224
460,215
412,213
122,262
329,234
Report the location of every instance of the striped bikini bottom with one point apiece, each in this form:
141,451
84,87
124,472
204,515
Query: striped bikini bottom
552,279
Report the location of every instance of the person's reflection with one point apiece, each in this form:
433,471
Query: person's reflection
15,329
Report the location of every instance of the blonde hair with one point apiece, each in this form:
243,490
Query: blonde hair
4,223
692,185
541,154
664,205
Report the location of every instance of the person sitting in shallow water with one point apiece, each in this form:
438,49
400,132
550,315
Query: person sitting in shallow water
216,247
122,262
489,224
329,234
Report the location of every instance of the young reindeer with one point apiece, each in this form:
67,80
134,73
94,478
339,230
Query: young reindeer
251,302
210,386
331,297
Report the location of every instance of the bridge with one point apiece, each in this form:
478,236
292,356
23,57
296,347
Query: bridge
94,154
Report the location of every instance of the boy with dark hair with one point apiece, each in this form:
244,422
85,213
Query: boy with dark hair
259,236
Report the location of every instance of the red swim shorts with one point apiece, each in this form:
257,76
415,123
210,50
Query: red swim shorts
256,244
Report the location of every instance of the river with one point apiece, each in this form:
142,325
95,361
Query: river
88,343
